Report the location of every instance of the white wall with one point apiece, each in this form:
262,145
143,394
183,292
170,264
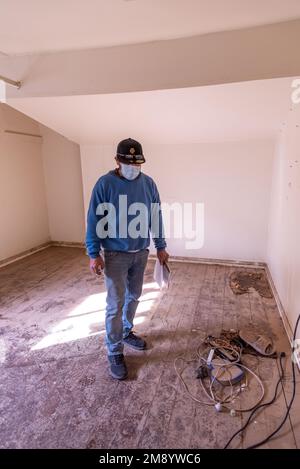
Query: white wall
23,209
284,228
233,179
64,193
41,197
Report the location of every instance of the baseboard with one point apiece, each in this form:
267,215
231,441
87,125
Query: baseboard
197,260
29,252
224,262
67,244
21,255
287,326
280,307
194,260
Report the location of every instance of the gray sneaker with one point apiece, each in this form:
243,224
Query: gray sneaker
135,341
118,368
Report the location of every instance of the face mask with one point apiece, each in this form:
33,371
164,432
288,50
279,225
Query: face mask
130,171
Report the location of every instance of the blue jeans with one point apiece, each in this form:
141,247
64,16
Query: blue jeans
123,273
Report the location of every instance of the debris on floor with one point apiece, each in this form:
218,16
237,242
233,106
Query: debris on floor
221,365
224,374
232,337
258,341
241,282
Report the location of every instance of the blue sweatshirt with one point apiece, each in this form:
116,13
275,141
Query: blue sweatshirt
111,216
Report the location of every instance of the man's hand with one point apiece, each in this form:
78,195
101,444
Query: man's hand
162,256
96,265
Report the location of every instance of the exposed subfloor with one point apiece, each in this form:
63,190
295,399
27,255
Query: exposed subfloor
55,388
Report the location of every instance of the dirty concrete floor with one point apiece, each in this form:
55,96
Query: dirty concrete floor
55,388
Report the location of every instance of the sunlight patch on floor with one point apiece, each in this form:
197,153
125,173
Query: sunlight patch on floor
88,318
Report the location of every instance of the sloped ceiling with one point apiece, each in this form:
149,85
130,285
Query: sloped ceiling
245,110
35,26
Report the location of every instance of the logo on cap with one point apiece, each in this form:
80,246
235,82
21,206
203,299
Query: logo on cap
132,151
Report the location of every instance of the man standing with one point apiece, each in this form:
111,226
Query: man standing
117,241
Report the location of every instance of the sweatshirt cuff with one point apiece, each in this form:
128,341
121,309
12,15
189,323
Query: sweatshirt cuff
94,255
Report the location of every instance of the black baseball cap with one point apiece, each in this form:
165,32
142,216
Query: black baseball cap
130,151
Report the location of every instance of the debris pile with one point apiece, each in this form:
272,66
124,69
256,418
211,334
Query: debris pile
241,282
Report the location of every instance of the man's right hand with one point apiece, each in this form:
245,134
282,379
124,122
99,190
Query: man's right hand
97,265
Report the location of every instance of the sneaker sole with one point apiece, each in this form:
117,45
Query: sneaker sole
118,377
135,348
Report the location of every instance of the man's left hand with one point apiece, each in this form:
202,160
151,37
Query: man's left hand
162,256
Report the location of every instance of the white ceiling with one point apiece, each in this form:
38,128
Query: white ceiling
34,26
245,110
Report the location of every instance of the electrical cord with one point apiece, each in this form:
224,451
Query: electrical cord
230,398
292,398
216,400
260,406
184,383
204,360
260,443
233,396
